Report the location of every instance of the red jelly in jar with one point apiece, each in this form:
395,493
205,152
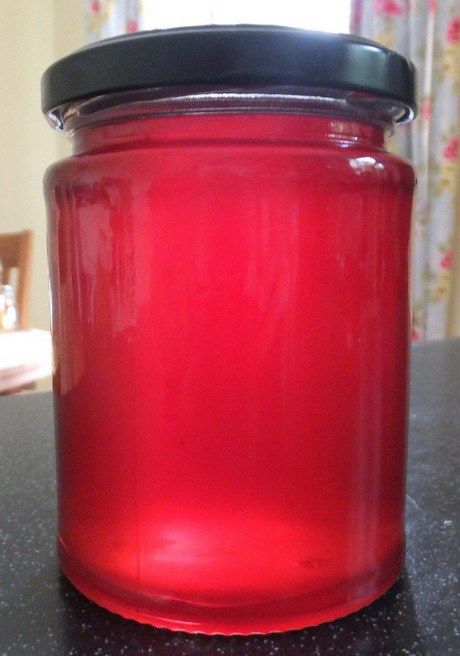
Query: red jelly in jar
229,266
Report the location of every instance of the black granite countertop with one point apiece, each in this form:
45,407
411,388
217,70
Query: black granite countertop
41,613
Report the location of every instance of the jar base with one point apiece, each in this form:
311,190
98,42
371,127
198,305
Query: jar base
243,620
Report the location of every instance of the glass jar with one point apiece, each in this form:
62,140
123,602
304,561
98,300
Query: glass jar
229,271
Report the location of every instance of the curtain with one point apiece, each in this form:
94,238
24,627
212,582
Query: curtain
428,33
106,18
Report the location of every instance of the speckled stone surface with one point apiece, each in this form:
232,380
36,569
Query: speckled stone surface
41,613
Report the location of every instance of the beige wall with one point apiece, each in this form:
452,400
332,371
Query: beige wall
32,35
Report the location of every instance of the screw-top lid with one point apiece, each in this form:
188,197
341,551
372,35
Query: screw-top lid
235,55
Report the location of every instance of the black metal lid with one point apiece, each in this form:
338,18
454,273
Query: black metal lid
230,55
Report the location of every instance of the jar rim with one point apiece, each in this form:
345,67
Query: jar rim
187,101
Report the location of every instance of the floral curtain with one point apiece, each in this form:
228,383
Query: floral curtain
428,33
106,18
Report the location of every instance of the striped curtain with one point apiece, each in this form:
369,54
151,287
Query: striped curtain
106,18
428,33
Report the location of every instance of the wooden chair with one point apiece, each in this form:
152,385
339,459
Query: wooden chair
16,253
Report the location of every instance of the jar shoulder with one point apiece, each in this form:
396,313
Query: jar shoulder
318,164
